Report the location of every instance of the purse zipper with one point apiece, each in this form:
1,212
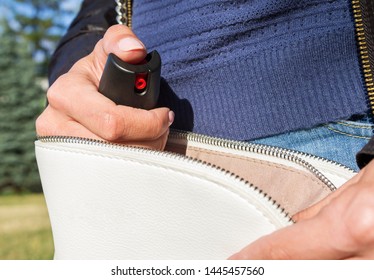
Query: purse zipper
363,42
303,160
299,158
165,155
175,135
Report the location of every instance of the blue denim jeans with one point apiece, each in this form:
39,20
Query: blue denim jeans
338,141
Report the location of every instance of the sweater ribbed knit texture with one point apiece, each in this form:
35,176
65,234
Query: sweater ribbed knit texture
249,69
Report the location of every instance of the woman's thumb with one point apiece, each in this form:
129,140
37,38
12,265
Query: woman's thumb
119,40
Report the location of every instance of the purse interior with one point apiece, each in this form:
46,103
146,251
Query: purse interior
292,188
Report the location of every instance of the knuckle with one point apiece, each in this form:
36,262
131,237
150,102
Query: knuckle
360,221
52,96
55,92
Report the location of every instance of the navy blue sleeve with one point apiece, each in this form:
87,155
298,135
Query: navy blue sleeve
89,26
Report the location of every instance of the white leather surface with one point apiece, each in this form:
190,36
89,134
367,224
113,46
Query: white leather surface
120,204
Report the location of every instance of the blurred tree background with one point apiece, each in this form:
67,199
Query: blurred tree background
30,30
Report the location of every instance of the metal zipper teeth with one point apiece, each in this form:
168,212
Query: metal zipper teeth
124,12
290,155
129,13
362,45
104,144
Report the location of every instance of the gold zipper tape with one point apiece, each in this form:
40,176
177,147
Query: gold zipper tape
362,45
129,13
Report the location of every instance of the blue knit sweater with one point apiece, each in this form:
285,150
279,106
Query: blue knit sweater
249,69
240,69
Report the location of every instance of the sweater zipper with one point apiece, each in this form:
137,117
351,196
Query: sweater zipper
362,21
124,12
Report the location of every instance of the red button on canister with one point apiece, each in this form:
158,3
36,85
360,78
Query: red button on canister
140,82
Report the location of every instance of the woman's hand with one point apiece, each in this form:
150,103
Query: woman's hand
339,227
76,108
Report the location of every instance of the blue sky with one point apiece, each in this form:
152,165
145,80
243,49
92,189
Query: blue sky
7,6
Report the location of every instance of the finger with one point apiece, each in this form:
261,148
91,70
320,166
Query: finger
119,40
157,144
314,209
367,173
342,229
72,128
304,240
52,122
103,117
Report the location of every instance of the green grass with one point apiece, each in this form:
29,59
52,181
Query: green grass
25,231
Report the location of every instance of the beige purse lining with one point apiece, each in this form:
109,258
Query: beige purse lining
291,188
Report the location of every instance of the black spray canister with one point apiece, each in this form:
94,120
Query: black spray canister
132,85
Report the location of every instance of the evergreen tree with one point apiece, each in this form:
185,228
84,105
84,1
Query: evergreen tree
21,101
41,23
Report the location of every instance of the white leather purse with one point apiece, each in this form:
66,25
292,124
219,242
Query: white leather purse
203,198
